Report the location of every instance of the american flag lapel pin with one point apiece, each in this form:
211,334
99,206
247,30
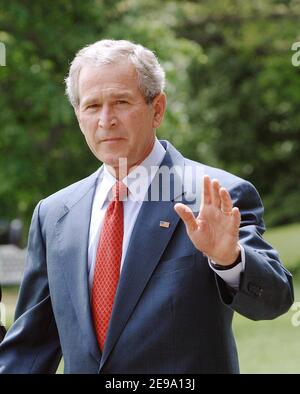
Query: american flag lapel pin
164,224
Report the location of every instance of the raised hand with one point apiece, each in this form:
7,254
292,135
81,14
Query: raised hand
215,231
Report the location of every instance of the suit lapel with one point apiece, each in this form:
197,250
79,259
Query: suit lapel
147,244
72,230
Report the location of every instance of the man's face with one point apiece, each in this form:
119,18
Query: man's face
114,116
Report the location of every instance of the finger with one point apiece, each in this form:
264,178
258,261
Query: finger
186,214
226,203
216,200
236,217
206,191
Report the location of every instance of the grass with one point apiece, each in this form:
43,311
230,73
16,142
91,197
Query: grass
271,346
264,346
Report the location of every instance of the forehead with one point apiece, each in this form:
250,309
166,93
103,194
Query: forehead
107,79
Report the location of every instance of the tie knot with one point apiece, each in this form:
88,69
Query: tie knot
119,191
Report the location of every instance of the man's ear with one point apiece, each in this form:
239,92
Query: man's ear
159,107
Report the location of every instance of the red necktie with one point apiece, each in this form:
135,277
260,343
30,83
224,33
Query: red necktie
107,266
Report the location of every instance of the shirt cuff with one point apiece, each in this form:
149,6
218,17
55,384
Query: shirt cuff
232,275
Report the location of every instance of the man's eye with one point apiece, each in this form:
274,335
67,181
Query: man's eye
91,106
121,102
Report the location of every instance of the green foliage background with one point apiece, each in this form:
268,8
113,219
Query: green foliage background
233,94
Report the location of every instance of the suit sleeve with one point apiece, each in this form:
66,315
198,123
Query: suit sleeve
265,290
32,345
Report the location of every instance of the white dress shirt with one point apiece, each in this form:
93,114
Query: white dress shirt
132,207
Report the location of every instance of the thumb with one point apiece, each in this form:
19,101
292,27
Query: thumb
186,214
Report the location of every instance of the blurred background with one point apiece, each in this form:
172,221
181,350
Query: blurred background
233,88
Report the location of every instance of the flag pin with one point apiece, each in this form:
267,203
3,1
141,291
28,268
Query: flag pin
164,224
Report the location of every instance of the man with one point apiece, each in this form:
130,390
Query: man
2,328
118,280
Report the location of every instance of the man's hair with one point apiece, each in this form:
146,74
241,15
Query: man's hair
151,76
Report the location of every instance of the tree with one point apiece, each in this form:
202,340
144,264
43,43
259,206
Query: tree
245,95
41,147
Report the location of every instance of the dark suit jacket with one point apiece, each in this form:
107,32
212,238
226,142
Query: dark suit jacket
172,313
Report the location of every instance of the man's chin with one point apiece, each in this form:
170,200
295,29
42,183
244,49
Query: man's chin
115,161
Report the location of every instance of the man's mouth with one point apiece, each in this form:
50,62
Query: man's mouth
113,139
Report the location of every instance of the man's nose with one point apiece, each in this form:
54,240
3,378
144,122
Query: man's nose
107,117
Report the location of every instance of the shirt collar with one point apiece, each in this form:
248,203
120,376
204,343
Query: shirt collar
138,180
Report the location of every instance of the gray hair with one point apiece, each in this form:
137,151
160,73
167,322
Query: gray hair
151,76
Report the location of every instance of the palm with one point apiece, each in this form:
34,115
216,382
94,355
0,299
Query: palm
216,228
